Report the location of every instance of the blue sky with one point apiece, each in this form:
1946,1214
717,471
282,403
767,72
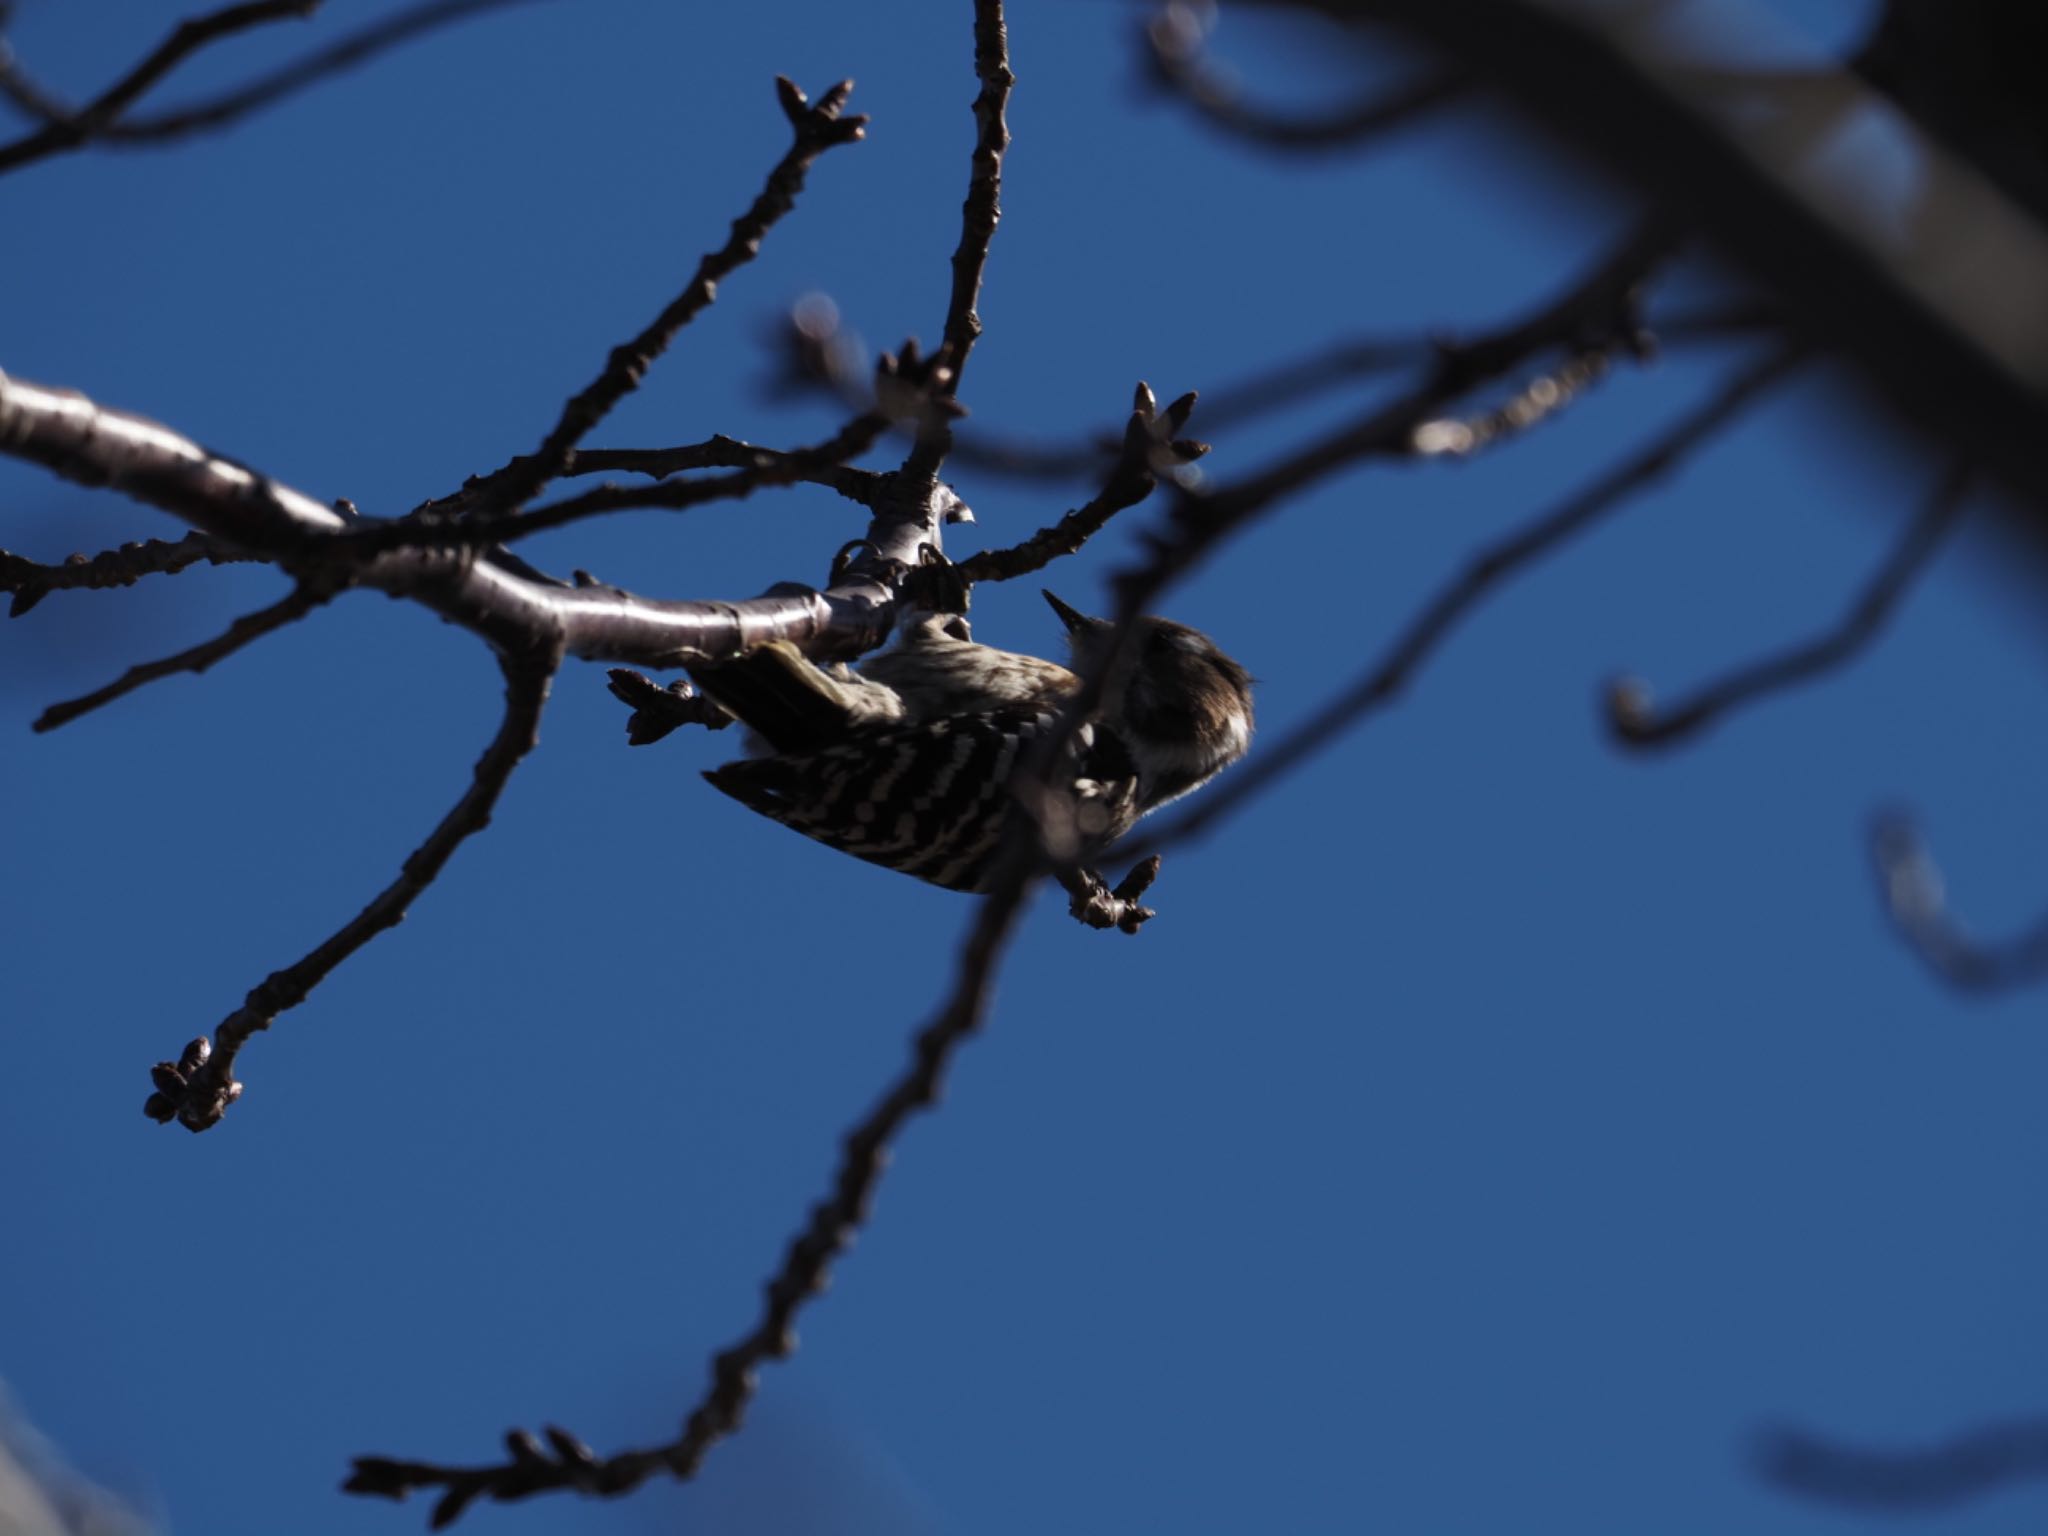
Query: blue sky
1491,1134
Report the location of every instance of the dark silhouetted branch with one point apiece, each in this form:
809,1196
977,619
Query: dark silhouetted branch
196,1090
979,215
266,90
1598,314
1915,898
1485,571
75,129
564,1462
1152,443
251,627
31,582
1966,1468
1632,711
817,129
1949,322
825,466
825,357
1174,47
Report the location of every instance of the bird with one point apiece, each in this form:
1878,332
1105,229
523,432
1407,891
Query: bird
907,759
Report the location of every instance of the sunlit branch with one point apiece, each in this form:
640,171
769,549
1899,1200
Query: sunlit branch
1637,721
31,582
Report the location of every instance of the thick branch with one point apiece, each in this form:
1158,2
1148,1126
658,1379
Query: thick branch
1632,712
1948,320
31,582
511,607
198,1094
248,629
81,127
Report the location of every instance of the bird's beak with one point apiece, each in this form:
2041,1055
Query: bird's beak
1073,618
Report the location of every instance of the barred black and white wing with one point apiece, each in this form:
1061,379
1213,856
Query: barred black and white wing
932,799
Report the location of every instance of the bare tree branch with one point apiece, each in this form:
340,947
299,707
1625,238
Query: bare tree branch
248,629
264,91
762,468
79,128
817,129
1598,314
822,357
513,608
1151,442
1939,1477
1951,325
722,452
1383,682
1175,39
197,1090
978,218
1915,898
31,582
1632,712
566,1462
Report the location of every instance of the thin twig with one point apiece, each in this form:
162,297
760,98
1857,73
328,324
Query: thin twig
31,582
565,1462
1632,712
296,604
825,466
1915,897
1487,569
979,215
821,353
1598,314
197,1090
1150,438
1939,1477
817,129
176,123
90,121
1174,47
763,468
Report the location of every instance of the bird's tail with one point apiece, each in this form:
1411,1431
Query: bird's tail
794,705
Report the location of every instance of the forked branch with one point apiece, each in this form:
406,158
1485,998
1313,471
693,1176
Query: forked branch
75,129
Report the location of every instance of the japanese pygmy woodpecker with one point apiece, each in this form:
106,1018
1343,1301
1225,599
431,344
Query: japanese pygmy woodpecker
906,760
